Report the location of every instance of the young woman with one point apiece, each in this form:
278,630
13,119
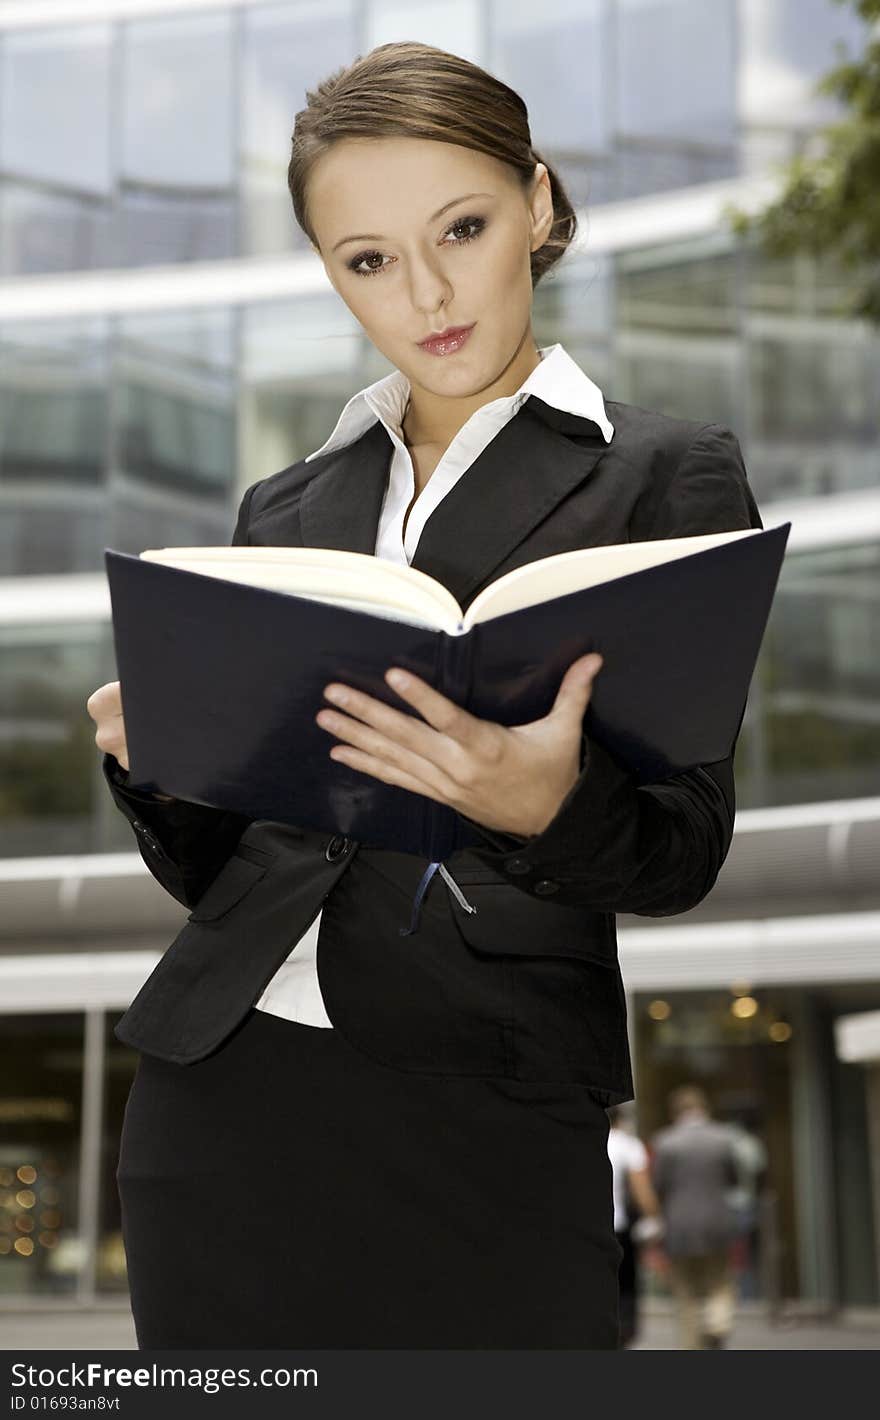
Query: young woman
369,1109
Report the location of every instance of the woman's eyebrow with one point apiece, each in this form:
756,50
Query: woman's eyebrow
378,237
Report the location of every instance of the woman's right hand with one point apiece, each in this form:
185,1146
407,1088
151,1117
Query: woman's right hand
105,707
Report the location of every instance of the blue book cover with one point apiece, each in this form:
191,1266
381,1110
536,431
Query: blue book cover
221,681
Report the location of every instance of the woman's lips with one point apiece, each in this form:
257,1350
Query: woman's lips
447,344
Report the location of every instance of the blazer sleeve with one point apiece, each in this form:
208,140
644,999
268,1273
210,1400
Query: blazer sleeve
650,849
183,844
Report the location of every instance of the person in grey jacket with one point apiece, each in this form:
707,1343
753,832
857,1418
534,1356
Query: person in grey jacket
694,1166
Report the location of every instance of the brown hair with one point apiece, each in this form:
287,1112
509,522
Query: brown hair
413,90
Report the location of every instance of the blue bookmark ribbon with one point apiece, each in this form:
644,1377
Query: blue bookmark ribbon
422,888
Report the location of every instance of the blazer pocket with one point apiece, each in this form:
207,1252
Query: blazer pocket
241,872
510,922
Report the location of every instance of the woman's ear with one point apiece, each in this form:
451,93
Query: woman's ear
541,206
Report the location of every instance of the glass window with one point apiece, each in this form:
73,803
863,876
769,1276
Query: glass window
689,378
675,64
553,54
302,360
812,733
677,343
55,136
813,372
785,46
53,439
812,387
286,50
176,139
676,68
175,437
449,24
47,737
41,1081
574,301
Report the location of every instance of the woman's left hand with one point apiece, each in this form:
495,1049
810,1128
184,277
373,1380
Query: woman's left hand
510,778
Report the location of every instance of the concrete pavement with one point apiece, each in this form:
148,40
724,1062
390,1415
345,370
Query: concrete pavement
114,1330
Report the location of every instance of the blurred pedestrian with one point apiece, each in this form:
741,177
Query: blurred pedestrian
635,1203
751,1155
693,1168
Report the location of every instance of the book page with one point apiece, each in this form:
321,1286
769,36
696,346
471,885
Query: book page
585,567
355,580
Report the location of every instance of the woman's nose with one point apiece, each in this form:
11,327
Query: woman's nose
429,291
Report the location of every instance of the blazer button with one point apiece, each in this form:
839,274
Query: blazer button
518,865
336,848
545,886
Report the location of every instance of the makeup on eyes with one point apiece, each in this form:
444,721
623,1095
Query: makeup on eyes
471,221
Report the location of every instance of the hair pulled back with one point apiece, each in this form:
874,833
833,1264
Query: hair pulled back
413,90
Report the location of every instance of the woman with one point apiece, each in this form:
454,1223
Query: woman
411,1150
636,1212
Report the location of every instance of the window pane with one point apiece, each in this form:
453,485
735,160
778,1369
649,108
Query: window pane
302,360
53,441
47,738
555,56
55,158
817,685
176,439
786,45
677,344
177,180
41,1077
676,99
448,24
285,51
809,389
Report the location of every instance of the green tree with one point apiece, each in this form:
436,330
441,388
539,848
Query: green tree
830,198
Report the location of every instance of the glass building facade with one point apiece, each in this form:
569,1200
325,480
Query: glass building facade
146,379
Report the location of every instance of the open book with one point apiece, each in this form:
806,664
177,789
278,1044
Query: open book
364,583
223,653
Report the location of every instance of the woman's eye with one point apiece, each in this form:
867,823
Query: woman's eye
478,223
355,264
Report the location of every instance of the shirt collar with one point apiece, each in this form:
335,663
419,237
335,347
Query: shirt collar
558,380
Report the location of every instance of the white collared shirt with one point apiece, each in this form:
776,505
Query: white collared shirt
293,992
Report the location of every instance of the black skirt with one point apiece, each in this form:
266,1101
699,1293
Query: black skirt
288,1191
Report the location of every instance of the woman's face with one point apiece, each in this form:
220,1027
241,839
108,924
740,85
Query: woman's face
449,236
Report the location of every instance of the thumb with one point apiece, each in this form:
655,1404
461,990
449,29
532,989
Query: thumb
577,683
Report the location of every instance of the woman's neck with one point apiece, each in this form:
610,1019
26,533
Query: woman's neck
432,421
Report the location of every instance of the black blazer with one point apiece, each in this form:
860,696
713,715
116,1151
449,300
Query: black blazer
529,987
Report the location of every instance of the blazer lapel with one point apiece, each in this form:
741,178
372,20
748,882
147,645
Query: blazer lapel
535,461
340,506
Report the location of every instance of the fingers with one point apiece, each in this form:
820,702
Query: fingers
105,701
105,707
438,710
576,687
388,772
398,746
378,752
408,731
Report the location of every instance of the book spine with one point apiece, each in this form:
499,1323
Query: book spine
455,673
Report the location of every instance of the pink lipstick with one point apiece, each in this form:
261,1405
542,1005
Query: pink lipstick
448,341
